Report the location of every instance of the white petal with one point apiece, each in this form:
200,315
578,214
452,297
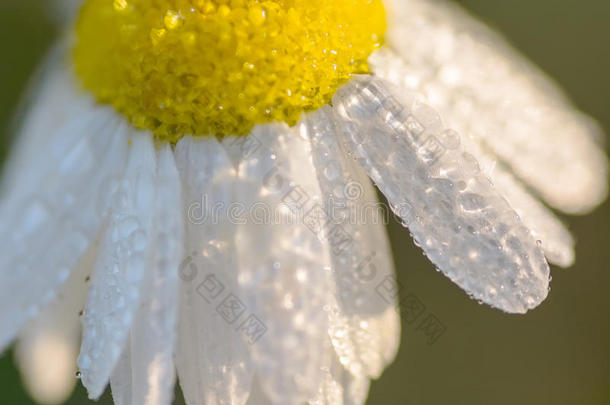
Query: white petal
556,240
257,396
487,90
452,210
64,197
355,389
52,100
125,248
122,379
284,266
330,391
361,257
48,358
63,10
146,375
340,387
48,346
213,361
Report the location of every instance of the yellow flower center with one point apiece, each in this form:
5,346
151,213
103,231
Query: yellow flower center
218,67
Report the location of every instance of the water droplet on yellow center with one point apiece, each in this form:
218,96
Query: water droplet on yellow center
218,67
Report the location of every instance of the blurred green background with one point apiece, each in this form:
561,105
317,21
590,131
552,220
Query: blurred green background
556,354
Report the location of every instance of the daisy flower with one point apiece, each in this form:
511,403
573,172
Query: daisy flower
190,187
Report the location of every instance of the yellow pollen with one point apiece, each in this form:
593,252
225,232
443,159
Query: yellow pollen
218,67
